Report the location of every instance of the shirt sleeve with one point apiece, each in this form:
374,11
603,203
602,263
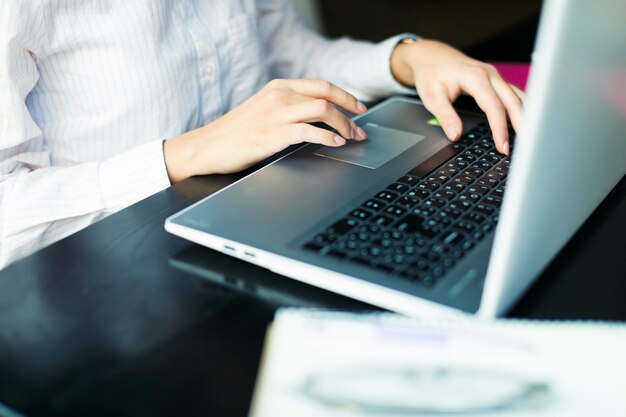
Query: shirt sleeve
40,203
295,51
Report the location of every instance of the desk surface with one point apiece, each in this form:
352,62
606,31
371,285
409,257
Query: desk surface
124,319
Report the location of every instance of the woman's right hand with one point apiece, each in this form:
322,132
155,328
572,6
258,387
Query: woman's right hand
268,122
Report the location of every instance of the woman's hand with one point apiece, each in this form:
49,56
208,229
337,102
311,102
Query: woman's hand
271,120
440,73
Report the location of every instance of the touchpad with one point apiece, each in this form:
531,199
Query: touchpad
382,145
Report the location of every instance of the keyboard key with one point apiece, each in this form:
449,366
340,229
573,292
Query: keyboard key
498,192
374,205
492,159
439,178
431,256
488,182
418,193
407,202
381,220
410,223
461,205
496,175
369,228
465,226
398,187
501,167
421,265
342,227
476,151
324,239
426,280
456,164
448,262
453,238
334,253
424,211
437,272
360,214
443,220
434,202
428,185
463,179
456,187
473,172
409,180
492,201
478,189
486,145
394,234
395,211
484,209
471,197
484,165
372,264
352,245
451,213
467,245
387,196
467,157
315,247
445,194
475,217
440,248
450,172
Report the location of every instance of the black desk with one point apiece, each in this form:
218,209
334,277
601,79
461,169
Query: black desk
113,321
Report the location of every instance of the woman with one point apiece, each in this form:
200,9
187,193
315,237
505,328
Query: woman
105,102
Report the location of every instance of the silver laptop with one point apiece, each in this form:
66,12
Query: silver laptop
413,223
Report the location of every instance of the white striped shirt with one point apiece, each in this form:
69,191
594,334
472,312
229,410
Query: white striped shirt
90,88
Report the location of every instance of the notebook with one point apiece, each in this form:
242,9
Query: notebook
342,364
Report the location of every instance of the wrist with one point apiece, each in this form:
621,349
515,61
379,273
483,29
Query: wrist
178,154
401,69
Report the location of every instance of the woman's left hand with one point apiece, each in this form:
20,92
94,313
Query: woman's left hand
440,73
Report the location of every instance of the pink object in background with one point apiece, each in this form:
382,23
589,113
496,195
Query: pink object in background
514,72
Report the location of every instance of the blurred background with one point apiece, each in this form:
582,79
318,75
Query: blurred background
490,30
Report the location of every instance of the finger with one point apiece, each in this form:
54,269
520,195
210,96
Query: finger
520,93
479,87
303,132
320,110
510,100
437,101
329,92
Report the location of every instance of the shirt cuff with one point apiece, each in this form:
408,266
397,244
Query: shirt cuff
383,79
133,175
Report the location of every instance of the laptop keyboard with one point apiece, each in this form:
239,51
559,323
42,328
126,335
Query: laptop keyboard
421,225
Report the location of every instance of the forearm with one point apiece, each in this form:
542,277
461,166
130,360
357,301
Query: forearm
45,205
294,51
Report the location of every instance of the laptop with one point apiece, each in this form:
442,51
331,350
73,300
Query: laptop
413,223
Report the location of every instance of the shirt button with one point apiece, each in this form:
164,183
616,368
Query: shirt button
209,70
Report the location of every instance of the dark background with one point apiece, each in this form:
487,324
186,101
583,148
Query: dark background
489,30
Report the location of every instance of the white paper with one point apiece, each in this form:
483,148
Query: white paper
334,364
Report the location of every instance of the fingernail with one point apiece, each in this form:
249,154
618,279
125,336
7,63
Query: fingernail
361,133
506,148
452,133
339,140
361,107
